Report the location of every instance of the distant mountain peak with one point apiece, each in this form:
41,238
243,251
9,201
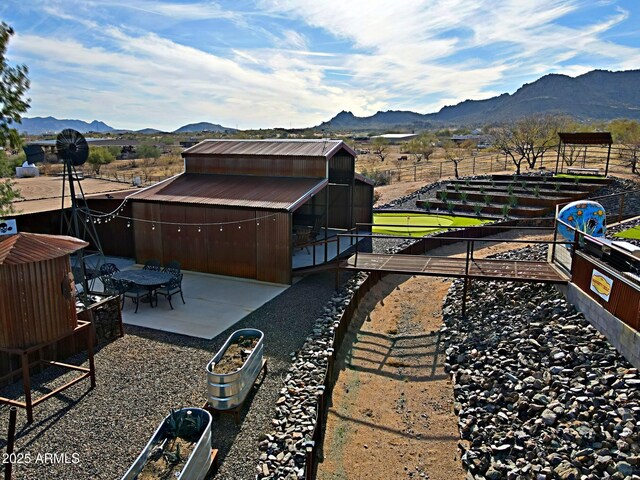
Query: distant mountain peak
595,95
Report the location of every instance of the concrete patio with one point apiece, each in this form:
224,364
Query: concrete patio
213,303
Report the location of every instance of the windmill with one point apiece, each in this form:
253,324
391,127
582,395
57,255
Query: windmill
73,150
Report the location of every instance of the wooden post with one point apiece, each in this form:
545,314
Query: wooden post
11,435
26,386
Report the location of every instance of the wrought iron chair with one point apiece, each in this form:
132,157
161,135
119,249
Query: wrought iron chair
173,287
113,287
134,292
152,264
108,269
173,265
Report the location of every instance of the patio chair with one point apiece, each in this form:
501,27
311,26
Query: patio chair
302,238
135,293
152,264
113,286
171,266
173,287
108,269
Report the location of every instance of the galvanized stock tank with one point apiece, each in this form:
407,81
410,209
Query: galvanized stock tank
226,391
200,459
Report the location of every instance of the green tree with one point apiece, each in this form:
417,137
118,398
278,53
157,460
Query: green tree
99,156
423,146
147,151
13,87
627,134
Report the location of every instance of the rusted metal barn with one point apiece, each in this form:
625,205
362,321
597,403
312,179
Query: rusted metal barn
236,208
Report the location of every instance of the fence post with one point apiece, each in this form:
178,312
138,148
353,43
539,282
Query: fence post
621,208
440,175
415,172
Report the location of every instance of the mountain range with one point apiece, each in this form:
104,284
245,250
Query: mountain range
596,95
49,125
593,96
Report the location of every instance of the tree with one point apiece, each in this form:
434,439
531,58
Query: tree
13,86
380,147
423,147
99,156
456,153
627,133
528,139
147,151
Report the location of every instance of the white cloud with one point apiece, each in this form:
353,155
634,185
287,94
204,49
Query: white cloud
301,61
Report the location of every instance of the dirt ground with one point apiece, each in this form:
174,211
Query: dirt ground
392,412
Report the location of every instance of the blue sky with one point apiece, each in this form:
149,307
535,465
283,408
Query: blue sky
295,63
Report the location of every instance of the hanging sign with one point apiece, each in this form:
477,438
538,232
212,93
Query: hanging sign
8,227
601,284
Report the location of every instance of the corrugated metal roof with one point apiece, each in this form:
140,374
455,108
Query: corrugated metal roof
297,148
34,247
273,193
586,138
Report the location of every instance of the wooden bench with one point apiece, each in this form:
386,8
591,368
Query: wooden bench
583,171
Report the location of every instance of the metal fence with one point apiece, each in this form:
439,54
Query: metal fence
486,163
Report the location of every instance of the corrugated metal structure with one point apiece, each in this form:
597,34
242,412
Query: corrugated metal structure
233,210
36,301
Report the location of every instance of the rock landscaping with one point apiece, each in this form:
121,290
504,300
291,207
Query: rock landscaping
284,449
539,392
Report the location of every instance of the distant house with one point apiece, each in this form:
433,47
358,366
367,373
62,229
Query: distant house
236,207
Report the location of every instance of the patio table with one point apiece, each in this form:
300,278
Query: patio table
149,279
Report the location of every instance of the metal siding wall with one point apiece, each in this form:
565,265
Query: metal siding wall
363,203
273,248
341,169
286,166
194,252
231,251
115,237
33,308
339,207
148,242
624,301
174,242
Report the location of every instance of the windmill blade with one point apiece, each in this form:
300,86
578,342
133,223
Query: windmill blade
72,147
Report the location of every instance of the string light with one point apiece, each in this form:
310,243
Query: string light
128,224
179,229
153,227
199,229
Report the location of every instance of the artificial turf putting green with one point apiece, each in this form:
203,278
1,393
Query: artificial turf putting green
431,223
632,233
579,177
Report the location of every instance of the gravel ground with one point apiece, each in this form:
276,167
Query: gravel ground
540,392
142,376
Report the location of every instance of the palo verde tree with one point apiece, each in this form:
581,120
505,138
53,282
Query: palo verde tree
528,139
627,134
99,156
13,87
423,146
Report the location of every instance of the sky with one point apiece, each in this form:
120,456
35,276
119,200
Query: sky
295,63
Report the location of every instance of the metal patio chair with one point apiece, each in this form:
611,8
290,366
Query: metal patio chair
135,293
152,264
172,288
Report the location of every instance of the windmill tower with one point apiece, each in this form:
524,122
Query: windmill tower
73,150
